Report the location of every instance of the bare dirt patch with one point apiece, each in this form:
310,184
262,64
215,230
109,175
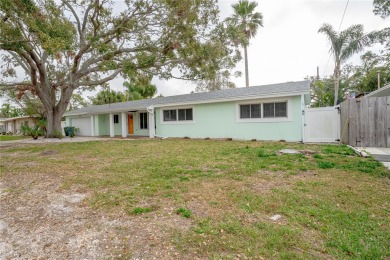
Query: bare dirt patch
41,220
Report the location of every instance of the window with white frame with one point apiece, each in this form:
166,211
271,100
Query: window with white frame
143,120
181,114
263,110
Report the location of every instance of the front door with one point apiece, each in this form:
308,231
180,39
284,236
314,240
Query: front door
130,124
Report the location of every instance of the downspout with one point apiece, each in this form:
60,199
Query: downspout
152,129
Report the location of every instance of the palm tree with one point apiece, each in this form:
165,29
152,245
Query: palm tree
247,21
344,44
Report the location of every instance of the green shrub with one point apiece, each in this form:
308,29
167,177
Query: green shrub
24,129
57,134
35,132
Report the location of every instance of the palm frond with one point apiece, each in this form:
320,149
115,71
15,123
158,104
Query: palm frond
354,41
245,18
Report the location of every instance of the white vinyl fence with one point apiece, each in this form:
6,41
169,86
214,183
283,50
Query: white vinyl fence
322,125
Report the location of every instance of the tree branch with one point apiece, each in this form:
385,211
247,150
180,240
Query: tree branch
101,81
20,62
81,35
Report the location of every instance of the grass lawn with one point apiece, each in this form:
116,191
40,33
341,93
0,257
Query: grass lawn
12,137
332,203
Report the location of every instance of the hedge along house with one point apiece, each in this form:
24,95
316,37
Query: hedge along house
268,112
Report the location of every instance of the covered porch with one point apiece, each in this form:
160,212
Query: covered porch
123,124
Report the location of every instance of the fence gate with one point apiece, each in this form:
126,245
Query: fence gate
322,125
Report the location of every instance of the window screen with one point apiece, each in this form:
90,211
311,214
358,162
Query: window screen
256,111
269,110
245,111
185,114
281,109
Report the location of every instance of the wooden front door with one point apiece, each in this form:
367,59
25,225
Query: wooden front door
130,124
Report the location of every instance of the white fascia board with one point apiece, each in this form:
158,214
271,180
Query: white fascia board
283,94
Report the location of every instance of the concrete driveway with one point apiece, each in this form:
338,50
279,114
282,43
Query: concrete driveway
381,154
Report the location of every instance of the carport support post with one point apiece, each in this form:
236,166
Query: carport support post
152,129
112,132
92,126
124,128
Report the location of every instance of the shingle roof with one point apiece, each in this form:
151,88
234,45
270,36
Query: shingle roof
281,89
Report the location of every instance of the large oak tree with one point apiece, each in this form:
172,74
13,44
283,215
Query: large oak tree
67,45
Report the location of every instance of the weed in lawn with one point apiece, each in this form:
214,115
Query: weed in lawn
141,210
326,165
338,149
264,153
186,213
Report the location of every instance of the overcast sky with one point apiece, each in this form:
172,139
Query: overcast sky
289,47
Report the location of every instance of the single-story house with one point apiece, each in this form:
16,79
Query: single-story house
13,124
268,112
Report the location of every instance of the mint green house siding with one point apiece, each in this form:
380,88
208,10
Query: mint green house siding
220,120
137,125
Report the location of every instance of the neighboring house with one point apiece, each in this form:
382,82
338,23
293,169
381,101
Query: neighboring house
382,92
14,124
269,112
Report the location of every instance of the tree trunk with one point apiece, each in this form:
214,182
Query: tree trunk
54,114
246,66
53,126
336,77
